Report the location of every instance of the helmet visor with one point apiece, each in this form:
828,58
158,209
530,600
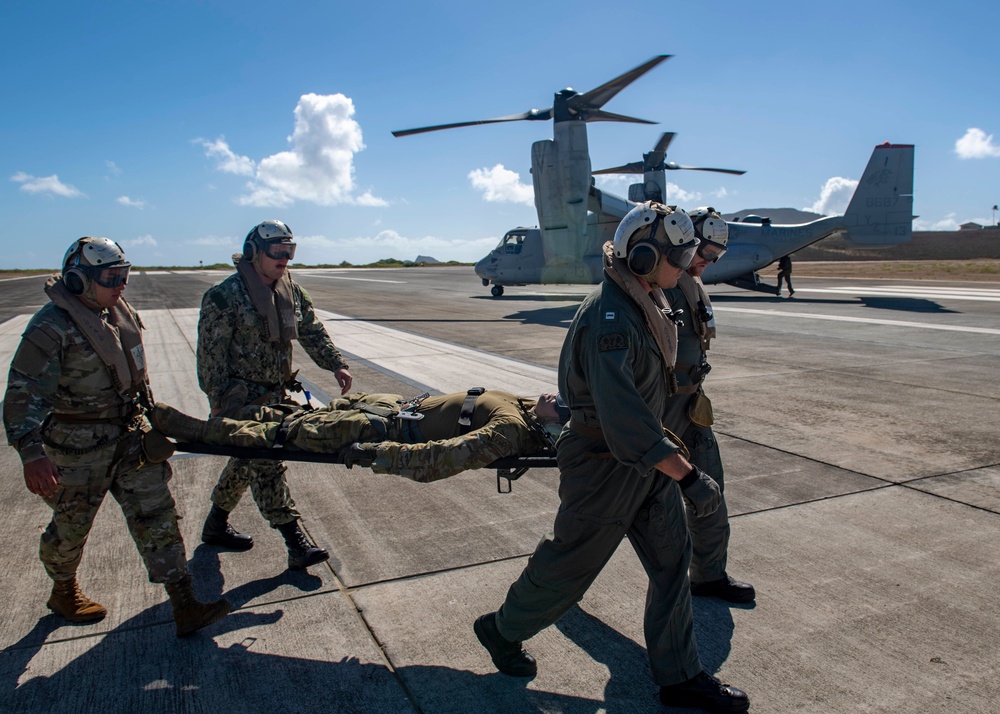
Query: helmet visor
680,257
280,250
113,277
711,251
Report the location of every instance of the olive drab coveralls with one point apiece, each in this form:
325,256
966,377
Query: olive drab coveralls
611,376
430,448
709,534
239,366
63,403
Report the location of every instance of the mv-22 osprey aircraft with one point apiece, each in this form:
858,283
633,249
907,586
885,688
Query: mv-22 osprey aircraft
575,218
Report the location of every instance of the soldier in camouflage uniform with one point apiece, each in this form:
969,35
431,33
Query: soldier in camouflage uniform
689,412
75,410
245,334
620,474
425,439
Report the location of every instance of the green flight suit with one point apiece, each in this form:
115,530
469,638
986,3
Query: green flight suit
61,403
234,354
709,534
611,376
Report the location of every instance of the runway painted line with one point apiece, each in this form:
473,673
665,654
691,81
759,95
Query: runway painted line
363,280
910,291
864,320
439,365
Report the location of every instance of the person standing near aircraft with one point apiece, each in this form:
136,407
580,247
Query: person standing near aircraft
689,412
75,409
785,273
245,333
620,474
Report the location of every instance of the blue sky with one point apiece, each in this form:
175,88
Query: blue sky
175,127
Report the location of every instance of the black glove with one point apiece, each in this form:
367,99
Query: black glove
357,455
701,491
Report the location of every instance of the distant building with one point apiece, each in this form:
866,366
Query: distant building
970,227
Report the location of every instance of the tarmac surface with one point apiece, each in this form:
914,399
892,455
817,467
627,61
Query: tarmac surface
858,426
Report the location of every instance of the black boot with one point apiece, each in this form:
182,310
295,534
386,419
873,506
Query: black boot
725,588
705,692
509,657
217,531
301,553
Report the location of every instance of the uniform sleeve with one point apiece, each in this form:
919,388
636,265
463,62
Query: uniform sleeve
633,433
215,333
435,460
31,388
313,336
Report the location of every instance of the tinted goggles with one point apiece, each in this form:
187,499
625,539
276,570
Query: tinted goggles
710,251
681,257
280,250
113,277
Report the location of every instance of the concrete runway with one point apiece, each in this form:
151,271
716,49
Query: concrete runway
857,423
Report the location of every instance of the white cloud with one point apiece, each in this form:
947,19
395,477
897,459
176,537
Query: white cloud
146,240
112,168
225,159
318,167
360,250
234,243
131,202
45,184
676,194
720,193
976,144
502,185
834,196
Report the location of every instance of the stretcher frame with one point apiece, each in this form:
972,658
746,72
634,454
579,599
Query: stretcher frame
509,468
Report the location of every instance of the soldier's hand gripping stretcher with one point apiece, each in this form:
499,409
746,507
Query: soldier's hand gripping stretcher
425,439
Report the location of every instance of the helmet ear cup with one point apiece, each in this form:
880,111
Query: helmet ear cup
74,281
643,258
248,250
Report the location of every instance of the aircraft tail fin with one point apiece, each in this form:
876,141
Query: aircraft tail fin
881,210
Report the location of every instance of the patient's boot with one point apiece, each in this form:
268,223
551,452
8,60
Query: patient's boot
218,531
301,553
176,424
190,614
69,602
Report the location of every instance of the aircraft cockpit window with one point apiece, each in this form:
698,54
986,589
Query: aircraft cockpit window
512,243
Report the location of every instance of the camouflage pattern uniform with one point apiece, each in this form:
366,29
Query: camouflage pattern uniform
612,378
61,403
238,366
425,450
709,534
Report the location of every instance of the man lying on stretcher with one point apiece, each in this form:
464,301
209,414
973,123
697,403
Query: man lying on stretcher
423,439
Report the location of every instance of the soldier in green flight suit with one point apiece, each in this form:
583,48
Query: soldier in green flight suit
245,333
689,412
75,410
621,475
424,439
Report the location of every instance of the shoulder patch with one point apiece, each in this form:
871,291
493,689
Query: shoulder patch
613,341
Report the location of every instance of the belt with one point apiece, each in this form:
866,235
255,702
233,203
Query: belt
591,432
120,416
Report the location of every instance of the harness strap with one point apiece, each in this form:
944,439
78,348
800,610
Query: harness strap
282,434
469,406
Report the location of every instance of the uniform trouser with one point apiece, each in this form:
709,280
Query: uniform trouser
143,495
787,277
709,534
601,502
266,481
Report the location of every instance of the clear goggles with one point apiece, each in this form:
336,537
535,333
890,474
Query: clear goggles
710,251
680,257
113,277
280,250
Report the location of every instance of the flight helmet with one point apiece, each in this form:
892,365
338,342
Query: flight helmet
712,231
271,237
94,260
652,231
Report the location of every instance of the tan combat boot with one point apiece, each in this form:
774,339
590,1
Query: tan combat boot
71,604
191,615
176,424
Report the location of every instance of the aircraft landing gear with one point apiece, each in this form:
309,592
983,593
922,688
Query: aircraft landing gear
497,290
